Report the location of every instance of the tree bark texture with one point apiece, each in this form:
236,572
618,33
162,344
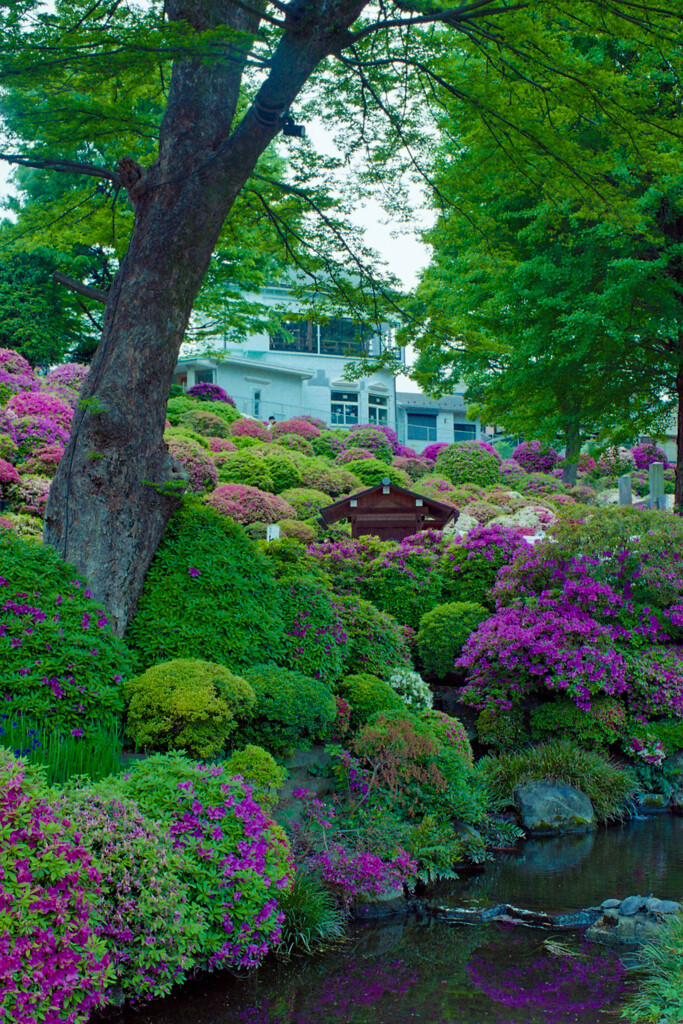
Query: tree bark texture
678,490
114,491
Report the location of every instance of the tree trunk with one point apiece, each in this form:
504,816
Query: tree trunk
571,455
678,492
116,485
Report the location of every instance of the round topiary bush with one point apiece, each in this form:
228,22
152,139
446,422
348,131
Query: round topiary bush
16,375
54,965
221,445
414,466
69,375
196,461
60,661
370,439
352,455
36,403
250,428
292,710
539,484
615,461
238,858
368,695
249,504
204,422
186,704
245,467
376,644
30,495
372,472
305,501
327,443
209,594
443,633
333,480
295,443
260,770
295,426
431,451
303,532
467,462
535,457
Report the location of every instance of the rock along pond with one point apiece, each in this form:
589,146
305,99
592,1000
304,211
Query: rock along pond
410,970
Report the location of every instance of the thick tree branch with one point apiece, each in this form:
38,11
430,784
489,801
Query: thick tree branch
82,289
65,166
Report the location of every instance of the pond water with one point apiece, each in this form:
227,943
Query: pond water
429,972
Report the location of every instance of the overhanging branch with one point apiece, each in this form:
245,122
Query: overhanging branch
65,166
82,289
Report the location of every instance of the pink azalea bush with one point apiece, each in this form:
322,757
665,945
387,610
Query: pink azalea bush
196,461
30,495
295,426
222,444
44,461
69,375
413,465
432,450
535,457
510,467
616,461
9,478
370,439
352,455
37,403
295,443
247,504
34,432
250,428
16,375
54,967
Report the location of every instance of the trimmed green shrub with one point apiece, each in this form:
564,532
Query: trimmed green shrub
333,480
328,443
292,710
443,632
246,468
282,466
371,439
295,443
368,695
209,594
600,726
205,421
60,660
466,462
177,407
184,433
305,501
294,529
608,787
371,472
502,728
187,704
375,641
450,732
260,770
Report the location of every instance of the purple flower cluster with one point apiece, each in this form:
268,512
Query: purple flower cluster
646,453
432,450
247,504
210,393
68,375
196,461
295,426
535,457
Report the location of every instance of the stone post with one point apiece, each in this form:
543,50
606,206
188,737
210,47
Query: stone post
656,474
625,492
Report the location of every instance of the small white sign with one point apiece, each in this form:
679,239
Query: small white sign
273,532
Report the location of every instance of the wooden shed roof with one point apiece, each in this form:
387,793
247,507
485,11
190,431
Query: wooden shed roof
364,499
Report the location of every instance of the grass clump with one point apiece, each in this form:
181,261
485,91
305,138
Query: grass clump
607,786
311,919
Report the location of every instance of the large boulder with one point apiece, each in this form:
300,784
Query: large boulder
461,527
529,518
546,808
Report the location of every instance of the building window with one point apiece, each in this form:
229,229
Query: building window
344,337
378,410
204,376
464,431
344,411
257,404
304,337
421,426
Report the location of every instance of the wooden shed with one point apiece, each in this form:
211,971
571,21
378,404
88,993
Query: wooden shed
389,512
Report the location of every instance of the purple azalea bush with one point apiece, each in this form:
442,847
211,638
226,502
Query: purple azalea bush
646,453
535,457
210,393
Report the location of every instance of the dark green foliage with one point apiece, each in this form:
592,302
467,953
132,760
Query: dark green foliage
282,468
246,468
312,918
368,696
306,501
376,643
608,787
502,728
598,727
371,472
60,662
443,632
227,610
292,710
468,576
467,463
660,994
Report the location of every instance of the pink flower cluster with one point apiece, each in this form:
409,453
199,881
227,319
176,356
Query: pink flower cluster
210,393
295,426
247,504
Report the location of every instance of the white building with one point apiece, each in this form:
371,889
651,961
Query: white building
300,371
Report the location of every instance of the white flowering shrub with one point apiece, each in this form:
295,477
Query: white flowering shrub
411,688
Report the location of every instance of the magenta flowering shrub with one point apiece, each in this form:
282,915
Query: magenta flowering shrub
375,643
352,455
657,677
54,968
7,427
539,484
535,457
239,859
34,432
247,504
44,461
295,426
152,930
646,453
63,394
70,375
37,403
16,375
196,462
431,451
373,440
222,444
61,663
250,428
404,451
30,495
8,479
210,393
471,564
510,467
489,448
12,362
295,443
